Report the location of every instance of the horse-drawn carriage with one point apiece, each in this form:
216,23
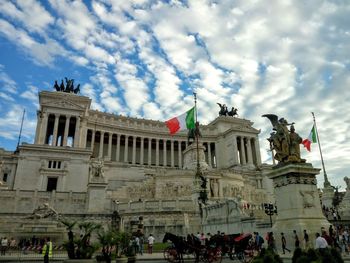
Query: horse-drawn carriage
243,248
190,247
236,246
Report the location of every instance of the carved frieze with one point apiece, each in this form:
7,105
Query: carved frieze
294,179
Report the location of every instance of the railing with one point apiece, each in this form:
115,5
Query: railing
30,254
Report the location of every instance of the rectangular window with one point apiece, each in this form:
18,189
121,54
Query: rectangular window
54,164
51,184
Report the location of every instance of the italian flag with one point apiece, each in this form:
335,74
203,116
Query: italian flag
311,139
182,122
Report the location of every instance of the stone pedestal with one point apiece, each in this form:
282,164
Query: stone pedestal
297,201
96,195
190,157
327,196
344,207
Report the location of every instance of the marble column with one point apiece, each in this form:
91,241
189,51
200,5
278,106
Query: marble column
235,150
100,154
172,153
126,150
249,151
149,158
43,130
209,154
257,151
92,140
77,132
180,154
142,151
66,129
243,152
39,117
84,130
164,153
117,154
134,150
110,135
157,152
55,130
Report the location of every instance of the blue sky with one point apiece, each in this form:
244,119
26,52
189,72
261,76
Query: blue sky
145,58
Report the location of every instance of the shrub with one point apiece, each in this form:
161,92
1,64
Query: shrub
328,255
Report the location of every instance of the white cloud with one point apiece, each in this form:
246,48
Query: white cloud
7,84
31,94
31,14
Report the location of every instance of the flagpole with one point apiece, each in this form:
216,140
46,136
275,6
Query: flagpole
20,131
326,182
197,135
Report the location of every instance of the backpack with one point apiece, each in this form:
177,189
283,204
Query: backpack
261,240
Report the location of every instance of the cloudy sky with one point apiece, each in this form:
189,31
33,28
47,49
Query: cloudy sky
144,58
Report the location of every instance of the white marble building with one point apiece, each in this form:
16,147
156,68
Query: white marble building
87,163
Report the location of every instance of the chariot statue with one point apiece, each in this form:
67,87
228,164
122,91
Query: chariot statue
223,109
225,112
69,87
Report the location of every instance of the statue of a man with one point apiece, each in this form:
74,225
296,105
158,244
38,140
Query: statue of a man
97,169
193,133
43,211
295,141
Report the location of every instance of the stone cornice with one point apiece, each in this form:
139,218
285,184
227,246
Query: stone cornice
293,174
46,149
64,101
303,168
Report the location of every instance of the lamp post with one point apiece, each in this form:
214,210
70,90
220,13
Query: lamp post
115,215
270,210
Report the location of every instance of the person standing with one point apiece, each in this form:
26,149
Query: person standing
320,242
141,238
296,239
306,240
284,243
271,243
4,244
150,244
47,250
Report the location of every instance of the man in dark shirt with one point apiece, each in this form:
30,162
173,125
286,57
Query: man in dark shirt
296,239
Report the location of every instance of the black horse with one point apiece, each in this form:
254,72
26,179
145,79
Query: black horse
232,112
223,109
179,244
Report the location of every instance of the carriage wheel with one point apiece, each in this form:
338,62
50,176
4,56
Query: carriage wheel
240,256
214,256
170,254
249,256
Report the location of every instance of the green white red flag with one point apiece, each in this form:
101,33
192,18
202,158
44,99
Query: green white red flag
182,122
311,139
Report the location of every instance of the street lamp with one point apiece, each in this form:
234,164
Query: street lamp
115,215
270,210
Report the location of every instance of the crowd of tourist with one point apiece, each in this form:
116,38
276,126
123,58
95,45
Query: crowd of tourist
338,238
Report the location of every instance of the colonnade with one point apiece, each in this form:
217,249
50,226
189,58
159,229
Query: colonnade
135,149
58,129
64,130
248,150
